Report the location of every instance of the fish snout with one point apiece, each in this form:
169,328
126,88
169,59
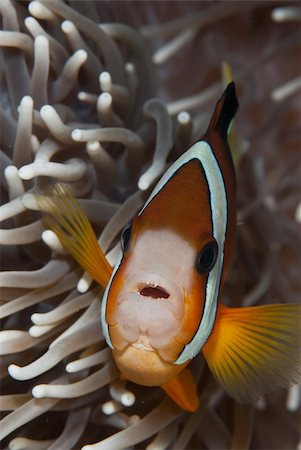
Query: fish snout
149,312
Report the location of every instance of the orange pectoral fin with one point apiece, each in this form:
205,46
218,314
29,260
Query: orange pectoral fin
183,390
68,221
255,350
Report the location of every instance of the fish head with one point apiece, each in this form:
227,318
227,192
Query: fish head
153,306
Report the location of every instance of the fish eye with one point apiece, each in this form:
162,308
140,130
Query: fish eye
207,258
126,236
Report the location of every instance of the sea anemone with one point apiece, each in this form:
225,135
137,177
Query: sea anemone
104,96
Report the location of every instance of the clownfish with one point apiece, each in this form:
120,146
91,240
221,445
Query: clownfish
161,303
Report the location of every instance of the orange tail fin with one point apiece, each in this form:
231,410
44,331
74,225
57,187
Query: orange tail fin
68,221
255,350
182,389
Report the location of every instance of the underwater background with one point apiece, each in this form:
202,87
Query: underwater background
104,96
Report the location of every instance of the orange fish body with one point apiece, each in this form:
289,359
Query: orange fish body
161,304
159,307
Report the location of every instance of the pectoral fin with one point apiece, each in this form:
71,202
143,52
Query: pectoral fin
183,390
255,350
68,221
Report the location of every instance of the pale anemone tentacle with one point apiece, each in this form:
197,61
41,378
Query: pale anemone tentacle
164,438
22,146
157,110
93,65
12,208
119,94
286,13
120,394
55,125
194,420
16,39
40,11
287,89
110,51
14,182
14,341
12,402
51,239
97,210
22,443
5,161
243,424
25,413
89,361
111,407
66,309
68,77
202,19
37,120
87,97
133,81
184,130
139,63
37,331
174,45
17,299
79,402
261,404
106,114
294,398
93,382
121,421
40,71
10,125
57,51
127,210
75,341
46,150
51,273
86,320
22,235
213,431
157,419
195,101
130,139
72,170
74,427
16,71
298,213
105,167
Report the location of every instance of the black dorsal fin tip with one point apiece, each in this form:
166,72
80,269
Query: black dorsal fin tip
224,111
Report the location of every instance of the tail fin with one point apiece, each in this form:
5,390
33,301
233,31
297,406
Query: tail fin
224,112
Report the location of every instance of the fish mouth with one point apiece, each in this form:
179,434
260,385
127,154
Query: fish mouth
153,291
153,286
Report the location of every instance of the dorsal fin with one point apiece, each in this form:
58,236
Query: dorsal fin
224,112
